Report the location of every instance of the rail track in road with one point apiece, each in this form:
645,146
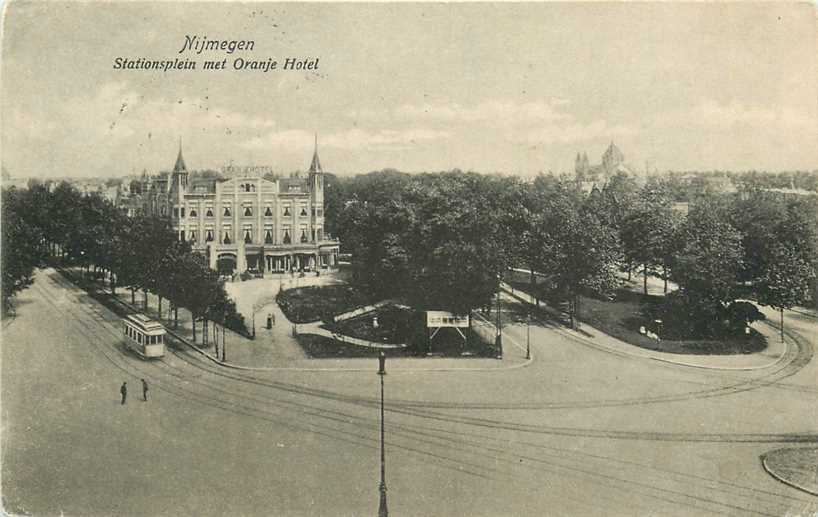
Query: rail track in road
202,382
797,358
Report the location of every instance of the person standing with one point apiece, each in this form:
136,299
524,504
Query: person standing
124,391
144,390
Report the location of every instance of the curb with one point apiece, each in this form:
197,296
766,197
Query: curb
234,366
648,356
780,478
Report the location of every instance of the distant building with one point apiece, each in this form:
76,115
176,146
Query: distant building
245,222
590,176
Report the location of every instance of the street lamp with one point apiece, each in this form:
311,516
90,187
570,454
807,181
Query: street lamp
224,335
498,342
382,509
528,336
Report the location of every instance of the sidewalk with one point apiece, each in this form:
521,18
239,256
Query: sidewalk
589,335
277,350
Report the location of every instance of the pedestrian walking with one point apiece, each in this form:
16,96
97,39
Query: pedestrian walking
144,391
124,391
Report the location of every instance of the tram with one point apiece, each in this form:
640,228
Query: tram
144,336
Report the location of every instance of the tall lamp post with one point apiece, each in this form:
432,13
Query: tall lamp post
382,509
498,342
528,336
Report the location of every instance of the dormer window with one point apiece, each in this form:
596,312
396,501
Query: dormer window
268,212
248,212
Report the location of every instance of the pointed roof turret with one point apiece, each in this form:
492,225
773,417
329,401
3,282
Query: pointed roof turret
315,166
180,162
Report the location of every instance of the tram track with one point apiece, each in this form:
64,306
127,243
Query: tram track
800,359
337,418
332,432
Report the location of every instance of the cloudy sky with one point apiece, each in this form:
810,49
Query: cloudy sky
515,88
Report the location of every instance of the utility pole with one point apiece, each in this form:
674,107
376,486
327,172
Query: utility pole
528,337
498,342
382,509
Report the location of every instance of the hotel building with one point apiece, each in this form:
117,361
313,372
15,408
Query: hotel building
247,222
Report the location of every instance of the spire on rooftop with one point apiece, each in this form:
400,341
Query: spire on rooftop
315,166
180,162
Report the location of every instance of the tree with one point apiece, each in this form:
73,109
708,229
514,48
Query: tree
786,283
648,231
579,252
707,265
22,248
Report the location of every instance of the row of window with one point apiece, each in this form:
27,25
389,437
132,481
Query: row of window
140,338
193,236
248,212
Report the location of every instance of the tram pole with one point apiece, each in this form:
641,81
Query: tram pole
528,337
383,511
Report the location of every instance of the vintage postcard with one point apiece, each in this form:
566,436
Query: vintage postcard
419,259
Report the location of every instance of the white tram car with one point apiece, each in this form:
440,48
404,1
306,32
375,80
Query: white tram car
144,336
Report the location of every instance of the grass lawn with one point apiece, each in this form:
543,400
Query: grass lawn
309,304
320,347
622,317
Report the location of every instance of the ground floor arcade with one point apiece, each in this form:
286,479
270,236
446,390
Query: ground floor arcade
238,258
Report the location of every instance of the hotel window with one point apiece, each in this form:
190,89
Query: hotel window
248,236
181,235
320,234
318,212
268,212
286,239
193,212
192,236
209,237
303,235
303,210
313,234
175,212
286,211
183,212
227,211
268,236
313,211
248,212
226,239
209,212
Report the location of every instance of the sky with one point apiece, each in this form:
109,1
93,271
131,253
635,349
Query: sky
492,87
